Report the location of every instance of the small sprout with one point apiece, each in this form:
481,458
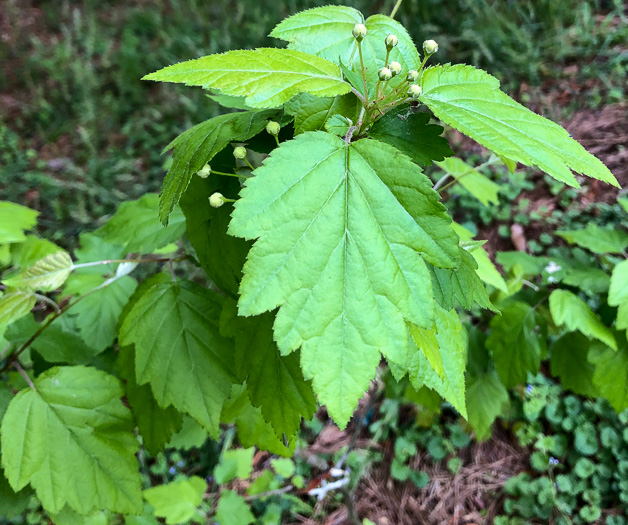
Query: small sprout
204,172
395,68
412,75
430,47
239,152
359,32
414,90
385,74
391,41
216,200
273,128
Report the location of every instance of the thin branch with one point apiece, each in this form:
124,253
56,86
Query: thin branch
145,260
24,375
48,301
359,95
395,9
366,89
441,181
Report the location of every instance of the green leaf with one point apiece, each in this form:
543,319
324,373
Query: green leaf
14,306
517,341
233,510
191,435
198,145
156,425
452,347
618,293
72,440
611,374
478,185
487,399
283,466
177,501
45,275
94,248
30,251
338,125
572,312
267,77
530,264
569,361
312,113
136,226
597,239
14,220
12,504
411,133
426,342
179,350
343,230
469,99
236,463
97,314
591,280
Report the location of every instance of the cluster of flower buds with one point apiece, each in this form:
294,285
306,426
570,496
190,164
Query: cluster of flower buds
412,75
359,32
384,74
216,200
395,68
204,172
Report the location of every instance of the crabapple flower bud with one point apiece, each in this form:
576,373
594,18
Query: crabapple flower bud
204,172
414,90
239,152
359,32
216,200
384,74
391,41
395,68
430,47
273,128
412,75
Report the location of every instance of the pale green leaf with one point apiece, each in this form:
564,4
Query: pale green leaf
198,145
470,100
426,342
94,248
338,125
622,317
14,220
569,361
487,399
233,510
411,133
344,230
611,373
623,202
228,101
267,77
191,435
530,264
136,226
68,517
177,501
572,312
312,113
478,185
179,350
591,280
72,440
283,466
597,239
45,275
518,342
236,463
618,291
14,306
30,251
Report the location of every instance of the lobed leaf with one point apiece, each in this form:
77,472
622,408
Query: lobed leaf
569,360
611,373
45,275
312,113
14,305
618,293
487,399
177,501
478,185
598,240
15,219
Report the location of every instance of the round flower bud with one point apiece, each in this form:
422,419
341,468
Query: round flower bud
359,31
430,47
239,152
384,74
273,128
412,75
204,172
414,90
391,41
395,68
216,200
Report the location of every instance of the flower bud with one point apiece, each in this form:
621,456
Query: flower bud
430,47
384,74
414,90
359,32
273,128
412,75
391,41
204,172
239,152
216,200
395,68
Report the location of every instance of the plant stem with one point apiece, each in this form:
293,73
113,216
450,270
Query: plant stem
231,174
48,301
366,89
395,9
441,181
359,95
24,375
114,261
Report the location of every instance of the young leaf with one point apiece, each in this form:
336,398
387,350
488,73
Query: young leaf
611,373
45,275
618,293
311,113
72,440
338,125
236,463
233,510
597,239
191,435
478,185
179,350
14,220
267,77
177,501
469,99
517,341
343,229
14,306
411,133
12,504
569,310
487,399
569,361
199,145
30,251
